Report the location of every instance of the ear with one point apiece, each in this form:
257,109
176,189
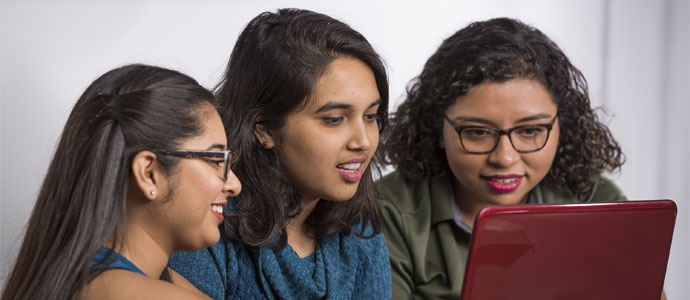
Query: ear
148,176
264,136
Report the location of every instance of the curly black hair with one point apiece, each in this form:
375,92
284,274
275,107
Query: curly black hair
500,50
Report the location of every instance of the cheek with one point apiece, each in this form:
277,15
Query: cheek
374,138
452,147
295,153
465,167
542,160
462,165
449,137
300,171
299,142
201,188
552,145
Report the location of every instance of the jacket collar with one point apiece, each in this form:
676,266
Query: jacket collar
440,192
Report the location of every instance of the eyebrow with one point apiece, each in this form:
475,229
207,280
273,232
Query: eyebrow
534,117
335,105
220,147
521,120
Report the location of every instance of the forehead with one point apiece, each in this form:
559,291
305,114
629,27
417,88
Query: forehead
212,131
513,98
347,80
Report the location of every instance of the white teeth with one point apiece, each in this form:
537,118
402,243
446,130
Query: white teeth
217,208
350,167
504,181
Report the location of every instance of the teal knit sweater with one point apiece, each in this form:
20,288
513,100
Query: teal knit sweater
341,267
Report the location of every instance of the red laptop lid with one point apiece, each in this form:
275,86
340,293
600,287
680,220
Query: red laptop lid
570,251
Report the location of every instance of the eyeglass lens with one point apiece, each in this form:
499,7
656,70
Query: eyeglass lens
524,138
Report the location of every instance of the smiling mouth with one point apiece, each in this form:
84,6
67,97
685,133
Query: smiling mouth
503,183
504,180
351,171
351,167
217,208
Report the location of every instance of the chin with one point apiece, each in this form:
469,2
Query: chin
506,200
202,245
342,197
210,239
342,193
214,239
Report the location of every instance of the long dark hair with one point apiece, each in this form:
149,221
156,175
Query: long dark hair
272,71
500,50
81,204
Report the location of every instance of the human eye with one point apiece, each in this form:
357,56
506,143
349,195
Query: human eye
530,130
476,132
371,118
216,161
332,121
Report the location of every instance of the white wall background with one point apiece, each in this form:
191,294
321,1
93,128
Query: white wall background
634,54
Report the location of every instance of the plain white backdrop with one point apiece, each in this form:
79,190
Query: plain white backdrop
634,54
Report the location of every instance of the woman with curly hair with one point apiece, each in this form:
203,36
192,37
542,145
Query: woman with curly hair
498,116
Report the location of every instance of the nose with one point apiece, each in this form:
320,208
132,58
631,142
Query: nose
504,155
360,139
232,185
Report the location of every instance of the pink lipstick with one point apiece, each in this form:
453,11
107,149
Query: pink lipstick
504,183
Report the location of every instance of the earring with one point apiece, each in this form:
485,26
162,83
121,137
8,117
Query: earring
153,193
264,143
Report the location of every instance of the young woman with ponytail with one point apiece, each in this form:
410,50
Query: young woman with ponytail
141,171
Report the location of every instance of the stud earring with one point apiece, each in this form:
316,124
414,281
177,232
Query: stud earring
153,193
264,143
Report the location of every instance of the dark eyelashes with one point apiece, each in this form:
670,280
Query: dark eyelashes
332,121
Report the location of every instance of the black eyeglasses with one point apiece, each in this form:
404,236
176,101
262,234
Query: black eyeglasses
484,139
219,158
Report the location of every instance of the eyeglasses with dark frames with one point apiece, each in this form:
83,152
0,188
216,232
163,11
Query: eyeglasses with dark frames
217,157
484,139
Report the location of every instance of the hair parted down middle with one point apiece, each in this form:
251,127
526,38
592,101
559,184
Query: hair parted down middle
273,70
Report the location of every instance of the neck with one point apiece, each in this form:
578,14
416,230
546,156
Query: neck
297,236
142,249
470,204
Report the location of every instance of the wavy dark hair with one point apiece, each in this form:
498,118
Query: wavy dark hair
273,69
82,201
500,50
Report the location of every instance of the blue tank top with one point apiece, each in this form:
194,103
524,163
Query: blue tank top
116,261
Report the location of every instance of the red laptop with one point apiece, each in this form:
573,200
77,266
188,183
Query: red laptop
570,251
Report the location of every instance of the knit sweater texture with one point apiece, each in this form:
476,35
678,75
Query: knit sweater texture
341,267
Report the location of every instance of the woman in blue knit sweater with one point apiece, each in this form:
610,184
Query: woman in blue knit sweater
305,97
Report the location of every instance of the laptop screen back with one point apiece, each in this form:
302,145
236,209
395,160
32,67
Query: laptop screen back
570,251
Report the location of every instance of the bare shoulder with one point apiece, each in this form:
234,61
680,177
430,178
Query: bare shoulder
123,284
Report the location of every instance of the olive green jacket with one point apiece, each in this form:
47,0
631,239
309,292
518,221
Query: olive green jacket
427,249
